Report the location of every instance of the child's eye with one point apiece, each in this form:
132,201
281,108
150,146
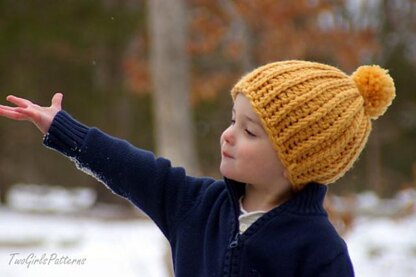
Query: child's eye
232,121
250,133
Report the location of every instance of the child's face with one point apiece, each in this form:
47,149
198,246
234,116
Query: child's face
246,151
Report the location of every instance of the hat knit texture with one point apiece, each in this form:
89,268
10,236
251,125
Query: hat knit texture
317,117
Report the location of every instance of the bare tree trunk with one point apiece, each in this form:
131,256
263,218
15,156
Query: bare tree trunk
373,162
374,165
170,73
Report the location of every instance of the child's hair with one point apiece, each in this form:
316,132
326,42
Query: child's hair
317,117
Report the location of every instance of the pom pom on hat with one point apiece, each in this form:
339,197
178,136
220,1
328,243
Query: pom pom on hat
376,87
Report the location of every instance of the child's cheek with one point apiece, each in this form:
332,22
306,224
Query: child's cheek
247,154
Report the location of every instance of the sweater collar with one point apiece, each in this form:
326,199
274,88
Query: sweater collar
307,201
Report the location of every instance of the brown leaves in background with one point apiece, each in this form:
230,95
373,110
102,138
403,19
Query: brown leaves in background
228,38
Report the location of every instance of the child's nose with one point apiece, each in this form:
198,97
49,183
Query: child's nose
228,135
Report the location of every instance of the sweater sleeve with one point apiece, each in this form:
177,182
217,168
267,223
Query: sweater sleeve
340,266
163,192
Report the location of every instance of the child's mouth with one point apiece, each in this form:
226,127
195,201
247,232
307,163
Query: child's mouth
226,155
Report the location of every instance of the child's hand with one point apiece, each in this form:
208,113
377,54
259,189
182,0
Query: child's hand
40,116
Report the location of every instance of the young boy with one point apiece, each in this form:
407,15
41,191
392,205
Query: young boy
296,127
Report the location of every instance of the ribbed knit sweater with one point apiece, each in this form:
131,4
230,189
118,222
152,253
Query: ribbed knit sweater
199,216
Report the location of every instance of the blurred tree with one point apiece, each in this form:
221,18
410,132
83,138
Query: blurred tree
397,36
75,47
228,38
170,74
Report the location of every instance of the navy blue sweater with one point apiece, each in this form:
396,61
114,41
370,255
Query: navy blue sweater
199,216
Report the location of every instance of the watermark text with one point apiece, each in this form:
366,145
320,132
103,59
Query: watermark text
45,259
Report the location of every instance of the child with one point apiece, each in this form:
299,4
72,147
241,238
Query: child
296,127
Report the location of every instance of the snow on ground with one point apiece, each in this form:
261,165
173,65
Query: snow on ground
383,247
55,231
44,242
101,248
28,197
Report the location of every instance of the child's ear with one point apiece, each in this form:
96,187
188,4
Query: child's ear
285,174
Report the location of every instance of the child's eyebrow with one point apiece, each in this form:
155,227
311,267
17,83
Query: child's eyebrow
253,120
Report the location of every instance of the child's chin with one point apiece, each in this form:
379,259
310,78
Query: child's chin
226,172
229,175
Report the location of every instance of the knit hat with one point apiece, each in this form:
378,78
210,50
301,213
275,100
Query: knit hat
317,117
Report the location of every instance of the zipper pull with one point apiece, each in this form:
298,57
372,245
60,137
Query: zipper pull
234,242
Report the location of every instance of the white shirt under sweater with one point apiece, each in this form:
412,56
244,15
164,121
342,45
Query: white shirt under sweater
247,218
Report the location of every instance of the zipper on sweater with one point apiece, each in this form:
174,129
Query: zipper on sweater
234,242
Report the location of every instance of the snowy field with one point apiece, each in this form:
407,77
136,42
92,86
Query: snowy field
96,248
384,247
61,240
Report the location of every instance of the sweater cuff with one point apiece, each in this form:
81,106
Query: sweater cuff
65,135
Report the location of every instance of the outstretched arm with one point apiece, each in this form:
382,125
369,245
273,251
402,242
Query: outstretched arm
42,117
164,192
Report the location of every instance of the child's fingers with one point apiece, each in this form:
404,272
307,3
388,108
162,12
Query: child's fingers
21,102
27,113
7,108
11,113
57,100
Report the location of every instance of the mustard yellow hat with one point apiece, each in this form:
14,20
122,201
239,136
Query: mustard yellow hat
317,117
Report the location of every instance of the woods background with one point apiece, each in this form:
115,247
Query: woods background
158,73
